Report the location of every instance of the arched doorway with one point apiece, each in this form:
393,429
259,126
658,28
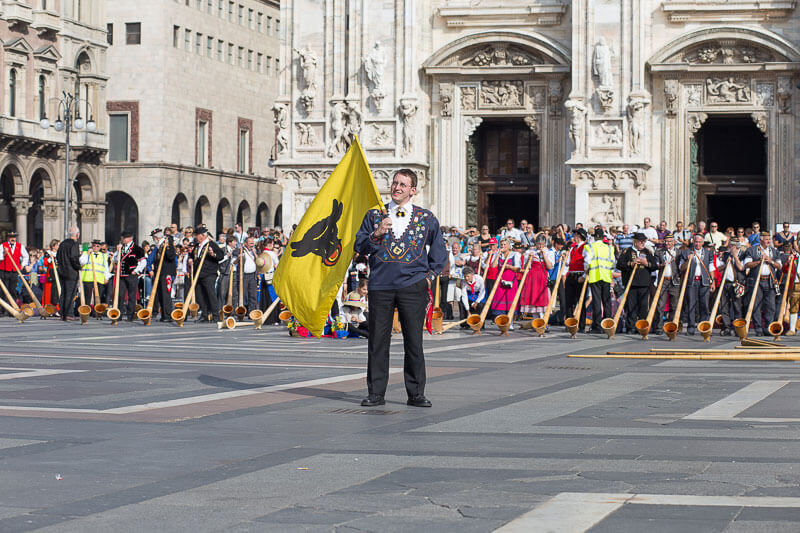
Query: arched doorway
122,214
730,161
508,172
7,211
180,210
224,216
202,211
262,216
243,214
278,216
35,220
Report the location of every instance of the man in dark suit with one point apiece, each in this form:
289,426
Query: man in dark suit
163,288
667,258
207,276
132,265
636,306
68,260
763,278
699,282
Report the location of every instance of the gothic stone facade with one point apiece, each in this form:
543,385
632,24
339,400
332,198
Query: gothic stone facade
614,90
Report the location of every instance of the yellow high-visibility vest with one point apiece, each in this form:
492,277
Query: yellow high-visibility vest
100,261
602,265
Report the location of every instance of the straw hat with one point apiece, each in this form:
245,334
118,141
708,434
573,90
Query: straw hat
263,263
354,300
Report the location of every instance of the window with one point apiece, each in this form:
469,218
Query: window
268,65
210,6
240,56
249,60
221,50
198,43
241,15
109,32
277,27
202,143
42,98
260,22
230,53
210,47
244,138
133,33
221,9
269,24
199,4
250,18
12,93
230,11
118,137
277,67
44,5
176,36
260,63
187,40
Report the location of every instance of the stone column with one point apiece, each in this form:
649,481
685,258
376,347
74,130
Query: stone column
21,206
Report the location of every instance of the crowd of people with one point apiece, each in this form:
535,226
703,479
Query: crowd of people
523,263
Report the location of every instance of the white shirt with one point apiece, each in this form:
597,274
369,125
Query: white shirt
765,268
650,233
24,259
478,289
400,224
249,261
513,234
669,256
698,260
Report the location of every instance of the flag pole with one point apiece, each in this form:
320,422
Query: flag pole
383,210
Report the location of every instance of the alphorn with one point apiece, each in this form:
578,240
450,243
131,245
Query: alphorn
99,308
705,327
179,315
452,325
227,309
476,321
84,310
572,322
114,313
51,308
609,325
672,328
241,310
11,300
643,326
776,328
231,323
503,322
27,286
742,326
146,314
437,314
11,305
540,324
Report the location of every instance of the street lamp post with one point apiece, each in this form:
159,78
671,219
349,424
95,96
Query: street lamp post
67,104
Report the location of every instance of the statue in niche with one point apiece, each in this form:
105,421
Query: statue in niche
308,64
601,63
608,211
307,136
577,113
407,109
727,91
636,124
608,134
280,118
374,64
345,122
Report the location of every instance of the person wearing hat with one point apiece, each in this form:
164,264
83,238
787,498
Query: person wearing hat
205,294
764,278
598,262
575,277
132,265
162,291
637,304
667,258
354,308
699,282
730,306
94,269
68,262
490,268
12,252
267,262
247,250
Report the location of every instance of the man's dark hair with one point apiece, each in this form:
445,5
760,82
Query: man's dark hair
599,233
410,174
558,240
230,239
467,270
580,232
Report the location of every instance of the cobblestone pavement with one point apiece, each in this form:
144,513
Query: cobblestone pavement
131,428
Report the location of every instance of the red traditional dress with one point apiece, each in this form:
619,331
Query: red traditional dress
49,293
535,296
507,284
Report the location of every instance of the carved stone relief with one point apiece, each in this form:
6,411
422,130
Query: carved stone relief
503,94
308,66
280,117
381,135
50,211
725,53
765,94
537,97
533,123
446,97
605,98
408,109
784,95
555,93
577,119
468,98
470,125
610,178
694,122
727,90
637,121
607,134
671,92
346,121
606,209
306,136
693,94
760,118
374,65
499,55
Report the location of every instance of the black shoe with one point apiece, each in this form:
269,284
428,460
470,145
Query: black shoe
690,332
373,400
165,319
203,319
130,318
419,401
725,333
658,332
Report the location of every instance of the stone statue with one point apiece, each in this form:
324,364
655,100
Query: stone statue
307,136
608,134
338,143
308,64
374,64
601,63
727,90
608,211
281,120
577,115
408,108
636,123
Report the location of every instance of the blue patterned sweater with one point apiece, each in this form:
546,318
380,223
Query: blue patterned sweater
397,263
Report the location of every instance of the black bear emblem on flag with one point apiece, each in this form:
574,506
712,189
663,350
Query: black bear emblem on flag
322,238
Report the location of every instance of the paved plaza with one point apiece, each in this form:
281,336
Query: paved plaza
195,429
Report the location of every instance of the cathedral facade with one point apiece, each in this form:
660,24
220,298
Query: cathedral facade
593,111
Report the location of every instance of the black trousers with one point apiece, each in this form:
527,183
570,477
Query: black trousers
68,289
10,281
669,293
636,306
410,303
765,302
266,301
128,285
601,302
697,296
163,298
207,296
730,307
557,317
572,292
222,288
250,290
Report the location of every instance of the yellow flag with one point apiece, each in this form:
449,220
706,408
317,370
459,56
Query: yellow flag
316,260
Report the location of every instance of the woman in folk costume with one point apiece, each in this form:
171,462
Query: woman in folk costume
535,296
48,275
507,283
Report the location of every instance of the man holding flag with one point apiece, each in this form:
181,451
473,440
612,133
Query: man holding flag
406,252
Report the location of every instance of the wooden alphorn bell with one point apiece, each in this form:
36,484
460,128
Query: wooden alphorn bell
83,310
476,321
672,328
571,323
50,308
742,326
146,314
504,322
241,310
776,328
227,309
609,325
643,326
114,313
11,306
540,324
27,286
179,315
99,308
706,326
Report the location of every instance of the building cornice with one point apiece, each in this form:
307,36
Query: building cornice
727,10
189,168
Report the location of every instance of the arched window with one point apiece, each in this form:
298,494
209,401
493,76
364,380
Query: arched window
12,93
42,98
